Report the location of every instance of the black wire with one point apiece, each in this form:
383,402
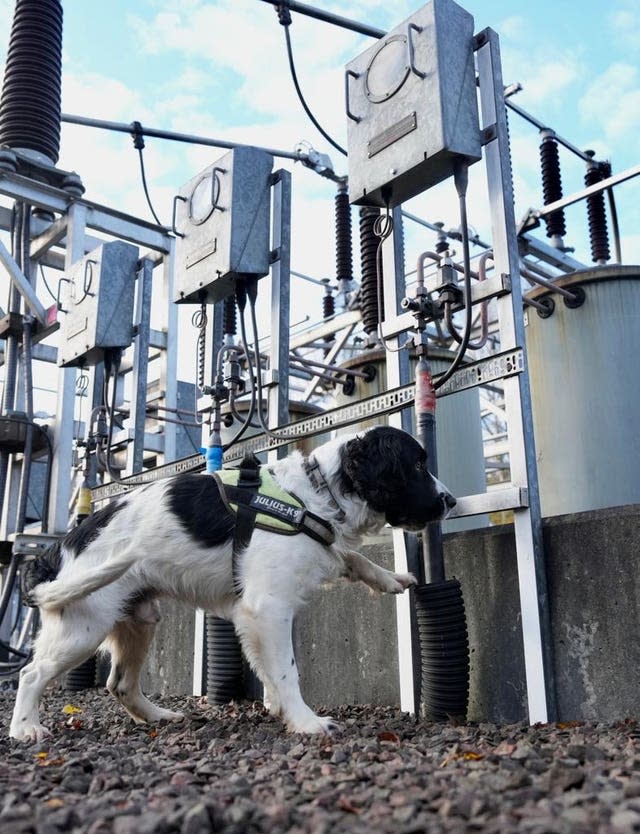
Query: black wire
241,300
146,190
301,97
460,177
44,281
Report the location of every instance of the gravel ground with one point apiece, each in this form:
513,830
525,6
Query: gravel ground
234,769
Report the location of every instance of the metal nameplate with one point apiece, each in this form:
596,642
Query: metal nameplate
392,134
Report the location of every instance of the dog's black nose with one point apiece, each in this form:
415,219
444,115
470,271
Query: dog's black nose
448,499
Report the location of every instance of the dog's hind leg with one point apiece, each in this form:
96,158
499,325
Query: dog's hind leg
128,643
65,641
265,634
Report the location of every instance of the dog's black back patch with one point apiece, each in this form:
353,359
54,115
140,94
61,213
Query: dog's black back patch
81,536
196,501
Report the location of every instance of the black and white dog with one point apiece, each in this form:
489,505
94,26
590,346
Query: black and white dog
99,586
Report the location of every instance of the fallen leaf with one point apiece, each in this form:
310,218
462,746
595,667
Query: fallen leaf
568,725
345,804
51,762
153,733
56,802
41,755
465,755
386,735
505,748
70,709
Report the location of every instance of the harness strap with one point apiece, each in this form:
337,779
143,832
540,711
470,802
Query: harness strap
248,480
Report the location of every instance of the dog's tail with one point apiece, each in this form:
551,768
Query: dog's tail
55,594
42,568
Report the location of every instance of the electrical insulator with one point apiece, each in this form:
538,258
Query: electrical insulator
369,243
344,258
598,235
551,183
229,317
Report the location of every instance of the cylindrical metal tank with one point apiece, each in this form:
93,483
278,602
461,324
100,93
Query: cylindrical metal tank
459,429
585,392
297,411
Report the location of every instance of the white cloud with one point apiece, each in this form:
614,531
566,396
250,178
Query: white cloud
613,100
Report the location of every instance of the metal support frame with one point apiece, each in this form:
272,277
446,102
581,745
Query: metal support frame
522,494
534,600
61,244
278,394
138,411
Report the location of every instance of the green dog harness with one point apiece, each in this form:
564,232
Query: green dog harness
252,495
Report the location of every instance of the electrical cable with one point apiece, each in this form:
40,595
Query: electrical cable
241,300
383,228
112,357
284,17
138,143
461,179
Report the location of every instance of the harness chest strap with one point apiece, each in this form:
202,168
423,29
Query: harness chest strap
256,500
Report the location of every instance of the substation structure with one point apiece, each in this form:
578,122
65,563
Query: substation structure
422,104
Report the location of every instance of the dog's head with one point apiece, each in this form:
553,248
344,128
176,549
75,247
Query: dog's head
387,468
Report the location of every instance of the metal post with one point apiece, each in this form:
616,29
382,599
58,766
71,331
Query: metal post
534,600
169,369
280,305
137,416
62,464
405,546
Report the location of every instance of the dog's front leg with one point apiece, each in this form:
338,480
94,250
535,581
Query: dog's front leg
359,568
265,629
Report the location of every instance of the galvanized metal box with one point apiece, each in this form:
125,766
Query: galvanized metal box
412,107
97,304
222,220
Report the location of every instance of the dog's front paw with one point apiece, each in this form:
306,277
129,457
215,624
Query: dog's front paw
313,724
404,580
394,583
28,731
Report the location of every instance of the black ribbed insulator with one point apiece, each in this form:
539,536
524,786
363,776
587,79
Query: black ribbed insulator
82,677
552,185
328,306
344,254
30,103
225,681
229,318
369,242
444,650
598,235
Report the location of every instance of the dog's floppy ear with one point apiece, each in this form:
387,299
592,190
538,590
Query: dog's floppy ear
366,465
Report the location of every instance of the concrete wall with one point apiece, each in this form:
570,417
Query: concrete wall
347,647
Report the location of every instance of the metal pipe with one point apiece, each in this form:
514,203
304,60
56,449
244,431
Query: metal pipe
544,283
315,363
542,126
121,127
615,179
328,17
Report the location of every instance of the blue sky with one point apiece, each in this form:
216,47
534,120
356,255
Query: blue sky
219,69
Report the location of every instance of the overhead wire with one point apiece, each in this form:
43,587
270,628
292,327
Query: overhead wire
138,143
284,17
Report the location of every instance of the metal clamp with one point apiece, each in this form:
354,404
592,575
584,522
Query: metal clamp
173,214
411,52
86,284
346,94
